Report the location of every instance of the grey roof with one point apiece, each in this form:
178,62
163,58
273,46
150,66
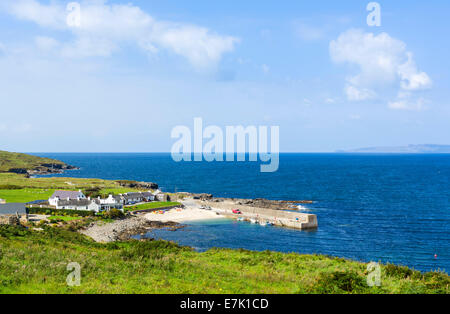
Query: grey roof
12,208
134,194
82,202
66,194
147,194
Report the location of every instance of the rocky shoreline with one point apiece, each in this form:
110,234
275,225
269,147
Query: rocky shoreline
124,229
257,202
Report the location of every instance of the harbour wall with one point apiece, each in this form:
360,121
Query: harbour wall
281,218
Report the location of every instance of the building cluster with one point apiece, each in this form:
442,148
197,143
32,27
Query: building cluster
73,200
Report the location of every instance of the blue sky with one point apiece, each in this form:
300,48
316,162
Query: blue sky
133,70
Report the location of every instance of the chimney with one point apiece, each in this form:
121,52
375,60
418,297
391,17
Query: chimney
89,198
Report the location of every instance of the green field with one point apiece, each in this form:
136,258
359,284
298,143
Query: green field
25,195
152,205
36,262
64,218
18,188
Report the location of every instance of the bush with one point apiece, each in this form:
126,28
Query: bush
399,272
340,282
150,250
61,212
92,192
7,231
113,214
10,187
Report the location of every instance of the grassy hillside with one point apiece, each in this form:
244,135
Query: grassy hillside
35,262
10,161
19,188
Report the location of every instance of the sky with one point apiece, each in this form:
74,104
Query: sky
126,73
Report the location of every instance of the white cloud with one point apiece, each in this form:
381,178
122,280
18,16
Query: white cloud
358,94
30,10
404,101
381,61
412,79
106,27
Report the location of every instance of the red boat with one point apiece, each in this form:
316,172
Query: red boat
237,212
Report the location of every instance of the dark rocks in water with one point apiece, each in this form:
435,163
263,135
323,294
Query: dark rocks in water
44,169
203,196
264,203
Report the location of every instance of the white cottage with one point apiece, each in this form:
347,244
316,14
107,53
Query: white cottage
79,204
65,195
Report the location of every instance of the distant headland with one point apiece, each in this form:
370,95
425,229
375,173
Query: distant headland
410,149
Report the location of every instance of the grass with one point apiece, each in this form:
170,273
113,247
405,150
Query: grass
25,195
35,262
22,189
64,218
152,205
23,161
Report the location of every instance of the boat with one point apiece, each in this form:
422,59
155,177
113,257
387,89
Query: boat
240,219
253,221
263,223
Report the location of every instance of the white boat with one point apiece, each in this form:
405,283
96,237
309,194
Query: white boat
263,223
253,221
240,219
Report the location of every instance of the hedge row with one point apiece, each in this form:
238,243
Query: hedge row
60,212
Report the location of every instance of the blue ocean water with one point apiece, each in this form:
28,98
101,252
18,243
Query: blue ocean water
388,208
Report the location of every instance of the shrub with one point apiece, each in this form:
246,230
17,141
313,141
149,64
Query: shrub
399,272
113,214
340,282
61,212
7,231
150,250
10,187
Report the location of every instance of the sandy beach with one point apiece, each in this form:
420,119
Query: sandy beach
191,212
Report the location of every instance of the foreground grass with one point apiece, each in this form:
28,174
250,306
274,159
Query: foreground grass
36,262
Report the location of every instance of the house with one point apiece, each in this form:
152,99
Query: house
88,204
65,195
85,204
112,202
148,196
161,197
135,197
13,213
12,209
2,201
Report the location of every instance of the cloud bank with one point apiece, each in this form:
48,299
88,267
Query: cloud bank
380,61
104,28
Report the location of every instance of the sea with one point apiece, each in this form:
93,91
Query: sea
384,208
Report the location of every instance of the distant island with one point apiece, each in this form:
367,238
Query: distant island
410,149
